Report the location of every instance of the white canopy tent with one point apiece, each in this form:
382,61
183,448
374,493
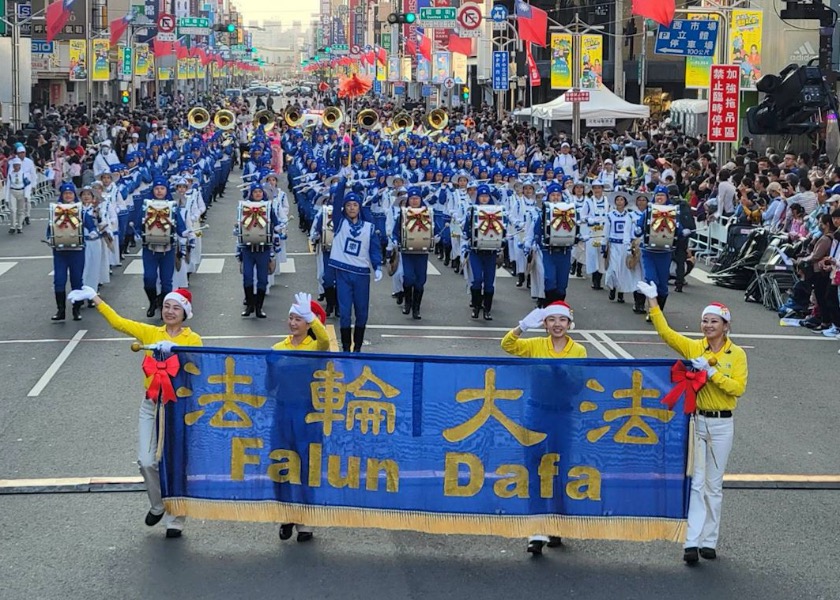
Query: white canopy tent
602,103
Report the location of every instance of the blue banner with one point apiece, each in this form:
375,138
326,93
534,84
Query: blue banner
578,448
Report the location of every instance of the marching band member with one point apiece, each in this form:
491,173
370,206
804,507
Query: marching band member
577,197
18,193
656,258
104,159
306,334
620,227
71,260
110,207
414,263
460,199
177,308
638,213
196,208
183,253
30,172
321,236
593,218
557,319
524,212
355,252
255,258
726,370
555,255
482,262
93,240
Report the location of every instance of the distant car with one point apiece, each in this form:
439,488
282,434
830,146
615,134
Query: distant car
300,90
275,90
259,90
233,93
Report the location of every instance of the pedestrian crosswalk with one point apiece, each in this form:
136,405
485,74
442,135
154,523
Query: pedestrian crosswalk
6,266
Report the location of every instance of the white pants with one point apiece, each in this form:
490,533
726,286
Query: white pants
149,468
712,444
17,204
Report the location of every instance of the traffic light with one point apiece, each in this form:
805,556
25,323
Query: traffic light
402,18
125,96
465,93
225,27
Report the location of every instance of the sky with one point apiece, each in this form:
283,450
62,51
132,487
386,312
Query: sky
282,10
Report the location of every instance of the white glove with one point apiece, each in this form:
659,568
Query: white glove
304,304
437,239
347,172
164,347
532,320
702,364
86,293
377,275
686,232
648,289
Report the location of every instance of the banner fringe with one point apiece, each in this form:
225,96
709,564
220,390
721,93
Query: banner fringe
637,529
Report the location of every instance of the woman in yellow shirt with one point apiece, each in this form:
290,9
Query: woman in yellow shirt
557,319
177,308
307,334
726,367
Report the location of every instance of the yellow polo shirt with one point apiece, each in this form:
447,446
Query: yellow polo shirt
540,347
723,389
321,343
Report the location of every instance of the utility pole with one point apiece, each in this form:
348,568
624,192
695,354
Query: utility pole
618,49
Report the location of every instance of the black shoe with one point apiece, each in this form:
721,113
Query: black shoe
554,541
535,547
400,296
77,311
346,336
408,293
678,288
304,536
286,530
25,221
520,280
173,533
612,294
358,338
708,553
61,304
152,519
488,306
258,304
151,294
249,302
416,300
12,230
620,298
691,556
446,259
20,230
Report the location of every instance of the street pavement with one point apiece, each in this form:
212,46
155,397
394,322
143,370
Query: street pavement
69,409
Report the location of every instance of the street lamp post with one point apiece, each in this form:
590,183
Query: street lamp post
15,25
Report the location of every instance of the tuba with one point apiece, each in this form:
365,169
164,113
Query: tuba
293,117
198,118
437,119
266,118
368,118
403,120
332,117
224,119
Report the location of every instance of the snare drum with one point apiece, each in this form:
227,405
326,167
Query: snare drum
326,227
488,227
417,231
67,230
559,224
158,222
662,226
254,223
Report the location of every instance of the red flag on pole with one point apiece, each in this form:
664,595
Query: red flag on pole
57,15
118,27
181,51
661,11
533,71
532,22
410,47
382,55
162,48
426,47
460,45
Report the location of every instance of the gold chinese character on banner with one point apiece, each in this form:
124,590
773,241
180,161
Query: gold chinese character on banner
230,400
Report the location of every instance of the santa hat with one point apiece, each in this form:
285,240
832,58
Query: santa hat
716,308
559,308
182,297
317,309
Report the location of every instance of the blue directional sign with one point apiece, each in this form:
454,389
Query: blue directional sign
377,87
501,71
687,38
426,91
499,14
42,47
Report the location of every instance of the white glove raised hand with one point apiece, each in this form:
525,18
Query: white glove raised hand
85,293
304,306
377,275
648,289
164,347
532,320
702,364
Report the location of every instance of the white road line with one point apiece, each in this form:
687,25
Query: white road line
288,266
135,267
432,270
211,266
5,266
702,276
614,345
56,365
39,257
598,345
502,273
233,254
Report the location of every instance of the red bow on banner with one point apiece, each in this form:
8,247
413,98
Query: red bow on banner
161,372
688,383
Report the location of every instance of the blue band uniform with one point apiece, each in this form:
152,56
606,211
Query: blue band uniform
575,448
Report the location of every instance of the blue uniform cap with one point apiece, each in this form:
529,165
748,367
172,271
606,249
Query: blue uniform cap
483,190
554,187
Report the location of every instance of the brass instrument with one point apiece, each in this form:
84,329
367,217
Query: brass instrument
293,117
228,139
224,119
198,117
368,118
266,118
402,121
437,119
332,117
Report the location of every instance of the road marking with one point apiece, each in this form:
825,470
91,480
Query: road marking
39,257
210,266
233,254
56,365
135,267
503,273
287,267
702,276
5,266
598,345
614,345
432,270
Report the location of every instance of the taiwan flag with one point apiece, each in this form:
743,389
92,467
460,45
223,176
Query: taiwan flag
532,22
661,11
118,27
57,15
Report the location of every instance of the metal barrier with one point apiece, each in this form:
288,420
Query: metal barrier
45,188
709,241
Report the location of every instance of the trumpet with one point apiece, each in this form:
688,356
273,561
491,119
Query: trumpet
224,119
198,117
266,118
367,119
332,117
